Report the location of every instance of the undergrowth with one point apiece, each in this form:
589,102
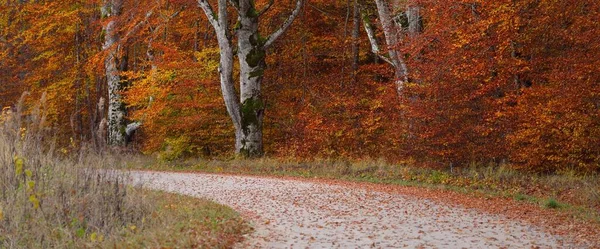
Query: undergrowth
52,199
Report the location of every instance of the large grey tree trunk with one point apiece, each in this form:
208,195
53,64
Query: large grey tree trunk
247,110
116,110
251,56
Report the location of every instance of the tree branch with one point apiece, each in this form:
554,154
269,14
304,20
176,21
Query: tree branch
285,25
266,8
210,14
176,13
132,127
235,5
372,38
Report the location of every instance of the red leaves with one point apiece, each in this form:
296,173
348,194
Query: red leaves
507,75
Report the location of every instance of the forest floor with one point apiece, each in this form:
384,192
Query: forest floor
325,213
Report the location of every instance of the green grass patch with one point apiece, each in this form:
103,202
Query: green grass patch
520,197
552,204
184,222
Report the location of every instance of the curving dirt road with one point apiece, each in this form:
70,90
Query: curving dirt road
300,214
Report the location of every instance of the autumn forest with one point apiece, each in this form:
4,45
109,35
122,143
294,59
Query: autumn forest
437,83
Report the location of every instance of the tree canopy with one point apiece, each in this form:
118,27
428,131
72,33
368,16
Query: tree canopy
425,81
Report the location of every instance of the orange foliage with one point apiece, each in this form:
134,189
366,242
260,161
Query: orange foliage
491,81
508,80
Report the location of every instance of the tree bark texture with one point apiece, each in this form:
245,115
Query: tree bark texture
414,20
355,39
391,32
116,110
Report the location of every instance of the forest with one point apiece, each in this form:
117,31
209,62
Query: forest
434,83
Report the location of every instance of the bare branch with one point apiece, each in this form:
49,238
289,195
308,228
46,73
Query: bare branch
372,38
132,127
140,24
285,25
320,10
210,14
235,5
266,8
176,13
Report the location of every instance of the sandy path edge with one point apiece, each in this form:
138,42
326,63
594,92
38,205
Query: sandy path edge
318,213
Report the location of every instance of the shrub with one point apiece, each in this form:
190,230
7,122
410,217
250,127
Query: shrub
176,148
47,201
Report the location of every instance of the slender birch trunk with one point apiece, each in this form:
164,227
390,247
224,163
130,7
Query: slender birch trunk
391,32
414,20
116,110
355,39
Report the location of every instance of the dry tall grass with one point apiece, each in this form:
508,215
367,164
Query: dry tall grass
49,200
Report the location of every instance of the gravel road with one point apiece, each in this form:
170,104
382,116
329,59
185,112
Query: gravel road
301,214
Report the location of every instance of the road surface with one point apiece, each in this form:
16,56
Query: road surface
304,214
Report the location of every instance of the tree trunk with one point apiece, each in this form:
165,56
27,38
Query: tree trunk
116,109
227,88
414,20
251,56
371,36
355,39
392,39
247,111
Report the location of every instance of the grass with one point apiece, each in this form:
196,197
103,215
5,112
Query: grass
552,203
184,222
577,194
53,199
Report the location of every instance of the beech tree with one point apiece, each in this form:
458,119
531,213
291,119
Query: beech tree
116,110
391,18
247,109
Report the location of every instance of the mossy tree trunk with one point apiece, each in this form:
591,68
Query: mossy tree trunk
247,111
251,56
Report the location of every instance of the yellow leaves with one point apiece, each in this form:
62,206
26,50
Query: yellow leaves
6,114
95,237
209,59
1,213
44,55
30,186
34,201
19,162
461,39
23,132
